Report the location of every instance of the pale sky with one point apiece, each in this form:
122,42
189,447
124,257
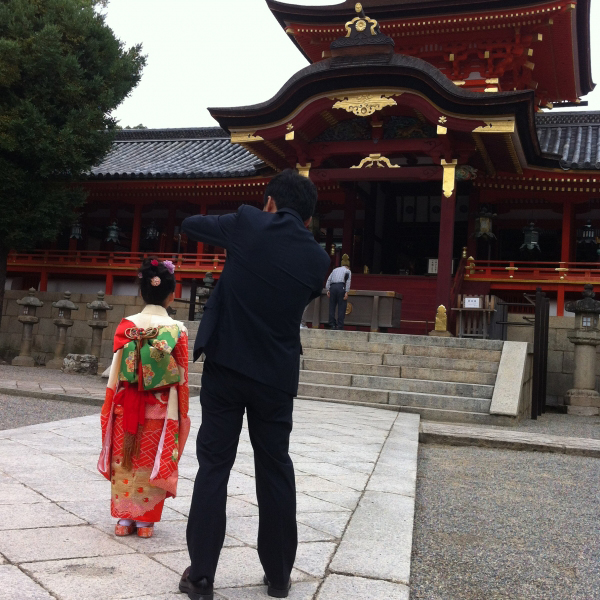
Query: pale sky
218,53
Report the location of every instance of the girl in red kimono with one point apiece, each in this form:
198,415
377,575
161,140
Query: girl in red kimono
144,419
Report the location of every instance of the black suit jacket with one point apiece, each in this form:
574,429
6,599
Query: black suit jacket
274,268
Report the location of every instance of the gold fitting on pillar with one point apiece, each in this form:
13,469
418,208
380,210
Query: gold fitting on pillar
441,319
449,181
304,170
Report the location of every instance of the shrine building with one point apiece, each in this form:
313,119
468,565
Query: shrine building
430,130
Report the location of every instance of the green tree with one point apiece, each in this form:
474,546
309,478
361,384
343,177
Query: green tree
62,73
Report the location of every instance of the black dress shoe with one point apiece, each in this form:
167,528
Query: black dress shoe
277,592
196,590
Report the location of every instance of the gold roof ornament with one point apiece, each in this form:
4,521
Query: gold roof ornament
345,261
364,105
375,160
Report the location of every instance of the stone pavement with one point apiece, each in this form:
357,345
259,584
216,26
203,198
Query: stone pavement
48,384
356,477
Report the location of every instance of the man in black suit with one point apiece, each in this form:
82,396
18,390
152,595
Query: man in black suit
250,335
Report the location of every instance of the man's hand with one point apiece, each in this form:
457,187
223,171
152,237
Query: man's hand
346,296
328,294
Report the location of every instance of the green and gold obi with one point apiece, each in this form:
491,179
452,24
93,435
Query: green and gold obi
147,358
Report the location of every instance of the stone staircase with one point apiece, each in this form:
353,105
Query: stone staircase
442,379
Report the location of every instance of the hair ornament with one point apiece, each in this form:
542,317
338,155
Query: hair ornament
155,281
154,263
140,275
169,266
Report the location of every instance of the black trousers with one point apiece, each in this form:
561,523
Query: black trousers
224,396
337,291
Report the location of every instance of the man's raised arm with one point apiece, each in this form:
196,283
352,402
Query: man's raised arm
210,229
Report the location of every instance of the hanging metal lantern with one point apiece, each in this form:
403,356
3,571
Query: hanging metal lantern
531,238
587,234
112,232
152,233
76,231
484,224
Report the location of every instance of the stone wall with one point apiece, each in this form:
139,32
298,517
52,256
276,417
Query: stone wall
561,354
79,337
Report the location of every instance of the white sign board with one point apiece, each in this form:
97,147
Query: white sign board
472,303
432,267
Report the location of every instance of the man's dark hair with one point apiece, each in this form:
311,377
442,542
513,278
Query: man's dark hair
291,190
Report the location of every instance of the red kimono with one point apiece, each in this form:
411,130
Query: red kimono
145,473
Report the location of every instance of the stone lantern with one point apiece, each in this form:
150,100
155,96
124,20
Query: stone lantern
98,323
583,399
65,306
30,305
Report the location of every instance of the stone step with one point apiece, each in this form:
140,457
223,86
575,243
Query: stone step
401,339
399,385
365,358
435,401
343,393
446,375
375,396
450,364
196,367
458,353
329,366
349,345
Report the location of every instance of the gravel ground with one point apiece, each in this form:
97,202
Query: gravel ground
497,524
18,411
43,375
560,424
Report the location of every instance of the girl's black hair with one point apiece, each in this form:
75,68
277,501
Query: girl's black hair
146,273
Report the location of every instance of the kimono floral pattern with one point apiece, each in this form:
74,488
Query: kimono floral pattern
148,375
130,362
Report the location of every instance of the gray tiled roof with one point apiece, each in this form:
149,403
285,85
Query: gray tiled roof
176,153
573,136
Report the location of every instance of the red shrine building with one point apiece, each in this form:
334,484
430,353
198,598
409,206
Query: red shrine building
427,126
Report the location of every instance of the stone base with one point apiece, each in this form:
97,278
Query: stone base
80,364
435,333
583,398
55,363
583,411
23,361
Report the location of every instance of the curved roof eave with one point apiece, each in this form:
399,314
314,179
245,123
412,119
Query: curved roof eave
388,9
333,75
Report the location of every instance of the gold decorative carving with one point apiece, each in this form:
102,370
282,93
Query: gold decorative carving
290,135
289,126
449,182
441,130
244,138
441,319
358,7
361,25
377,160
366,270
349,308
496,127
364,105
304,170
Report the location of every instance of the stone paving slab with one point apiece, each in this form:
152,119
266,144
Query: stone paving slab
337,587
57,532
460,435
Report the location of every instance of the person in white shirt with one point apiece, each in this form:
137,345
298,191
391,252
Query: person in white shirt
338,286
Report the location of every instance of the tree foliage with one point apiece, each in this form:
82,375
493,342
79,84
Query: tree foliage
62,73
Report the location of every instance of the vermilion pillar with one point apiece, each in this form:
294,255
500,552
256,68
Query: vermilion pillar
136,232
109,284
349,214
201,248
446,247
568,223
44,281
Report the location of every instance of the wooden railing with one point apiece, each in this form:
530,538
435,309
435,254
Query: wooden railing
116,262
560,273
